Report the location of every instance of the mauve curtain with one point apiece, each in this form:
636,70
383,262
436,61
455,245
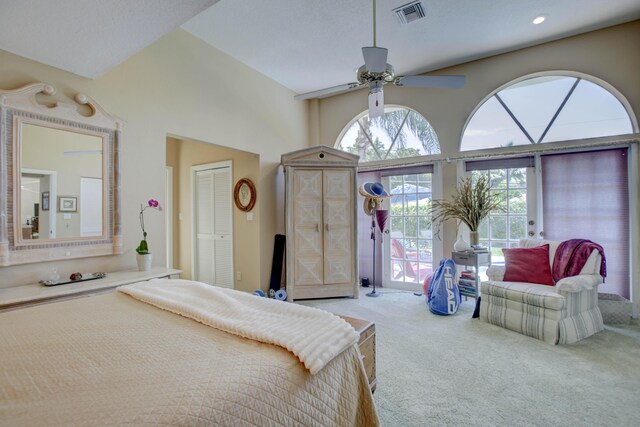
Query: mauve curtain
586,196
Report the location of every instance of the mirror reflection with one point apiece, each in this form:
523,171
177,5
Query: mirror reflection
61,189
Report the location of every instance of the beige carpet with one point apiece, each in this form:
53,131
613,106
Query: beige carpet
457,371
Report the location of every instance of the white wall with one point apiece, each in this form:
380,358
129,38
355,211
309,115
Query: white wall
177,86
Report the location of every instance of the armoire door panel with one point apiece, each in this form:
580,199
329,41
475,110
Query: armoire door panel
337,212
338,219
307,184
308,271
308,242
307,213
337,269
337,183
335,243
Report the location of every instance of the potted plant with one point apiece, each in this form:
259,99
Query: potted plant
143,256
471,204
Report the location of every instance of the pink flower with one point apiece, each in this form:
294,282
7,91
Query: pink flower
143,248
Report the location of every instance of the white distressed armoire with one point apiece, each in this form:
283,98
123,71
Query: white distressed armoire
321,223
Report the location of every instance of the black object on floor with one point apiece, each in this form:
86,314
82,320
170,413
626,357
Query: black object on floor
276,264
476,312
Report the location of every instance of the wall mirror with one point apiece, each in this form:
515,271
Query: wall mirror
59,178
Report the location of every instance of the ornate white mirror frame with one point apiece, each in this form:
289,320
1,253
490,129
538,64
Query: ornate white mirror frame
19,107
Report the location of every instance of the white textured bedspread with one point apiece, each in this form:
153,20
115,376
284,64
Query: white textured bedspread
113,360
315,336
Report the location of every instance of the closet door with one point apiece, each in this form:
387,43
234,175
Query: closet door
213,227
307,227
222,228
338,226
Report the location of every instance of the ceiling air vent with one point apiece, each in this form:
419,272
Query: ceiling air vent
410,12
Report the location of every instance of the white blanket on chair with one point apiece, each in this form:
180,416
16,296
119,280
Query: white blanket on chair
314,336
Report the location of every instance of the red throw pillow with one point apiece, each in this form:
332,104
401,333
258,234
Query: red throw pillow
529,265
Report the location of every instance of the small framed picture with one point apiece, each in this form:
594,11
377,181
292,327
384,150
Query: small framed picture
67,204
45,201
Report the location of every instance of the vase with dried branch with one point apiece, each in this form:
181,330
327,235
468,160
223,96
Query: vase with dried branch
471,204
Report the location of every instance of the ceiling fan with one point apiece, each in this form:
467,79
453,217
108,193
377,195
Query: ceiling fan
375,73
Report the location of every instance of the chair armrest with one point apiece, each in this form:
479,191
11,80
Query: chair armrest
578,283
495,273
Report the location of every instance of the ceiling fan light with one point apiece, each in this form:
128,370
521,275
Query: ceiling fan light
376,103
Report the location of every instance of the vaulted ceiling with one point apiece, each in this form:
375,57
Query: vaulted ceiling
304,45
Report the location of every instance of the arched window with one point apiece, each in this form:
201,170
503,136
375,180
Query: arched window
399,132
544,109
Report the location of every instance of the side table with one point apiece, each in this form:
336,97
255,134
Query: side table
469,279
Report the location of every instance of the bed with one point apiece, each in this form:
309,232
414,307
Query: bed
114,359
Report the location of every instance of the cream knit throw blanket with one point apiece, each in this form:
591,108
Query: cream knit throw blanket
314,336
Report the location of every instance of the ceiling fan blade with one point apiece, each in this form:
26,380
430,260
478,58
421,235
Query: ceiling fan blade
445,82
376,104
334,90
375,59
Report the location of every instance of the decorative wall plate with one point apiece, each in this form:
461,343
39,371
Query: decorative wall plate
244,195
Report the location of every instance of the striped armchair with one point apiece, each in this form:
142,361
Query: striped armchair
562,314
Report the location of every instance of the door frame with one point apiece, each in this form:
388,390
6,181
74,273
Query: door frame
53,197
168,203
194,242
437,246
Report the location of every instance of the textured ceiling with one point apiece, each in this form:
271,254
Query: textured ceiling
89,37
308,44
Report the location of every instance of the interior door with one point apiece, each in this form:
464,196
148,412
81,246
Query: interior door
338,223
90,207
213,256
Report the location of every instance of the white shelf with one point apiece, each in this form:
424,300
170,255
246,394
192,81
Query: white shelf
33,294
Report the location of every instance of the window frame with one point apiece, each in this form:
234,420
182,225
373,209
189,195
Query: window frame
393,161
552,73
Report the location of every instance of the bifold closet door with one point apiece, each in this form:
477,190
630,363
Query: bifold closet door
213,227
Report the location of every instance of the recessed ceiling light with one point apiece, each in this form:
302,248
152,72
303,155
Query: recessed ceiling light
540,18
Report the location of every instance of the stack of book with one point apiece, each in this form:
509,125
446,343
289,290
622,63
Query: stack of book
467,282
479,249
